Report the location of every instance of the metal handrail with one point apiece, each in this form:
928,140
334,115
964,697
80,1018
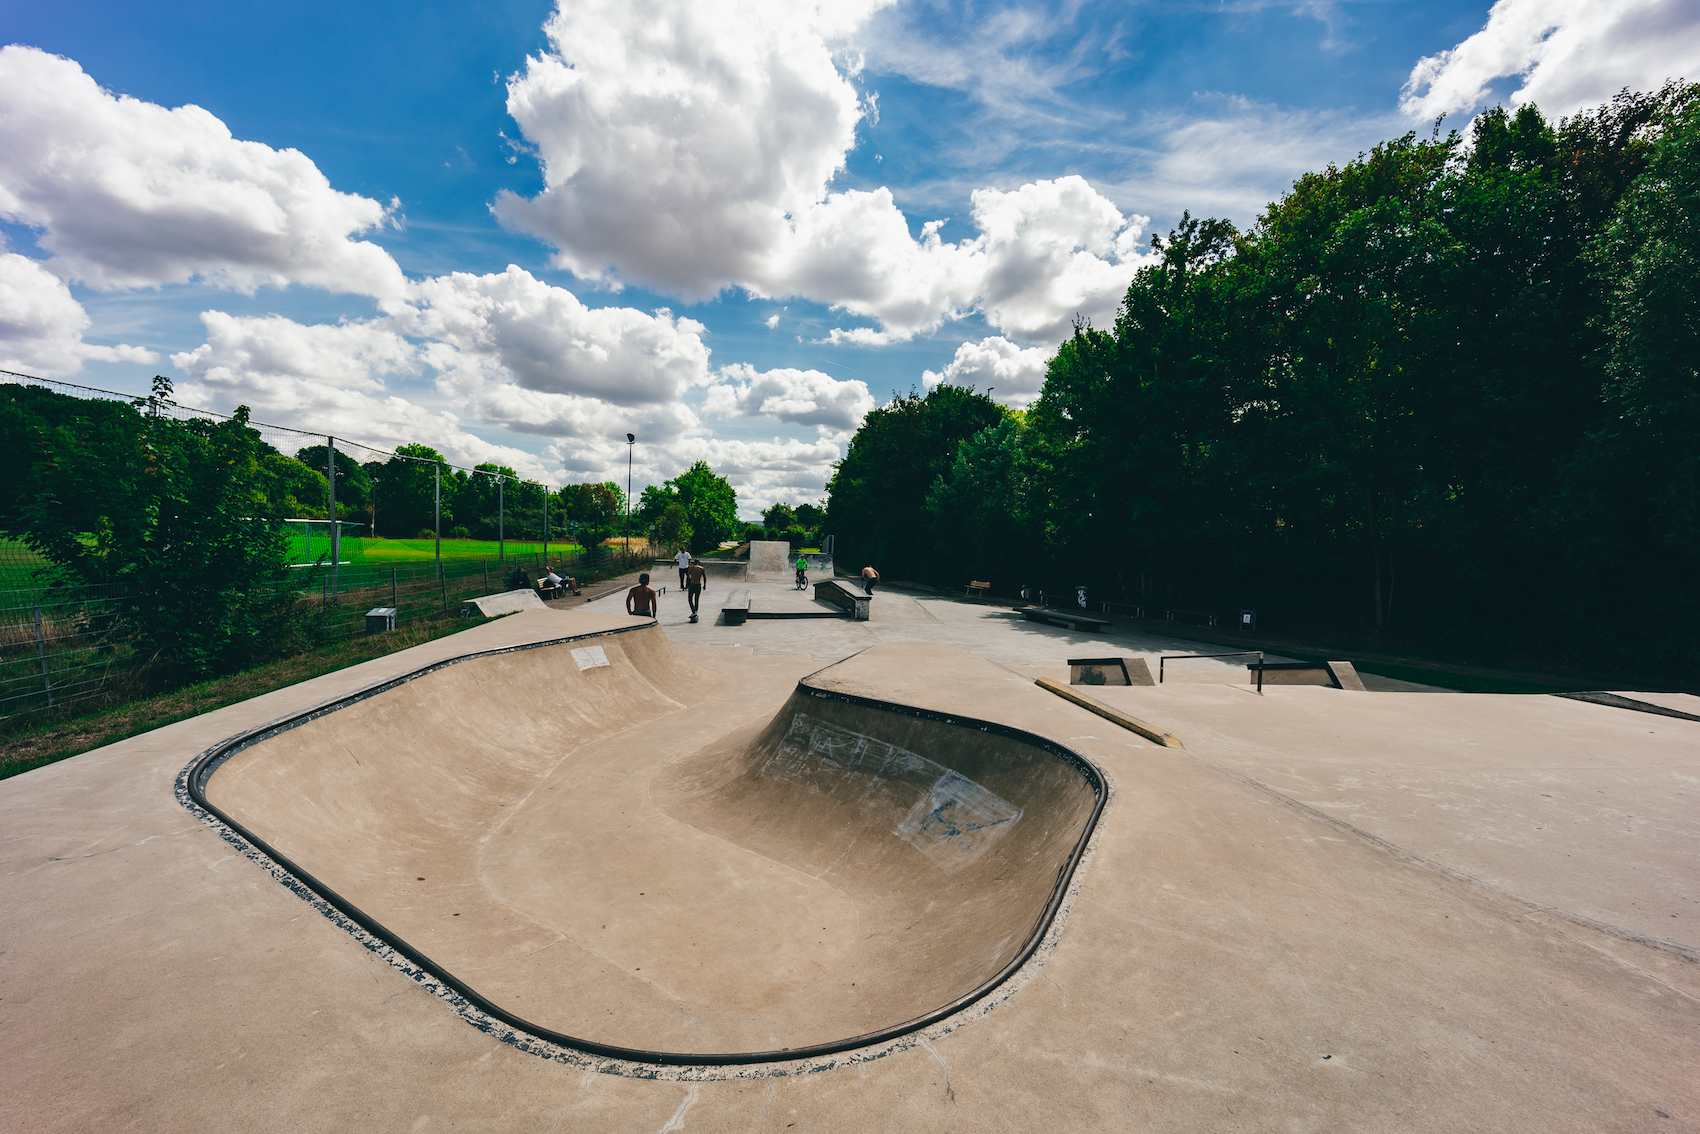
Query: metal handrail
1258,654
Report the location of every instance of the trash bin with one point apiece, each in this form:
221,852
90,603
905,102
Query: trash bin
379,619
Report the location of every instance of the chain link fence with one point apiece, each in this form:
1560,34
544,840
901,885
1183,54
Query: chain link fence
65,645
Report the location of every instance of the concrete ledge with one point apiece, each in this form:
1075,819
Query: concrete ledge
1115,716
508,602
736,608
852,598
1066,618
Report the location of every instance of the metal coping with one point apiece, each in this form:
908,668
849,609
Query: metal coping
201,769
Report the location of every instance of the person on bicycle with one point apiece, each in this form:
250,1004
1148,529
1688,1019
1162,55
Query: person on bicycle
802,572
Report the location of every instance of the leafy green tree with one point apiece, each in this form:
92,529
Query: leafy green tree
779,518
408,502
353,483
673,526
593,511
979,513
710,504
293,489
175,511
876,502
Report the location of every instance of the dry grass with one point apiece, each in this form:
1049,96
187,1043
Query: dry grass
47,743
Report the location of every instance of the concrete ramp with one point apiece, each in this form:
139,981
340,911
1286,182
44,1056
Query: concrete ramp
603,846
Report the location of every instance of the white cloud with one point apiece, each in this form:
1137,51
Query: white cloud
800,397
764,473
1568,54
42,324
127,193
690,148
543,339
504,349
676,138
1229,156
996,364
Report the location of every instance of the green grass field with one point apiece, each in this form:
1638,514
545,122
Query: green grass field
18,565
422,550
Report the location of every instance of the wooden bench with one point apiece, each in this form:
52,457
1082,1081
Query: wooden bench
736,609
1071,619
977,589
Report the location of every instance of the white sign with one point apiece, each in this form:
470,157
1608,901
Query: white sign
589,657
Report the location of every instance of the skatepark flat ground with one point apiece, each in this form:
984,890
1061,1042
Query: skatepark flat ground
1328,911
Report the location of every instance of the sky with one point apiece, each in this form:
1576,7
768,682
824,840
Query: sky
517,231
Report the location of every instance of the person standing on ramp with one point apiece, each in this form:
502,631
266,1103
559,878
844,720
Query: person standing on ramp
696,577
640,600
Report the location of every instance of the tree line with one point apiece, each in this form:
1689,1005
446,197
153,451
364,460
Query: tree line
184,516
1445,394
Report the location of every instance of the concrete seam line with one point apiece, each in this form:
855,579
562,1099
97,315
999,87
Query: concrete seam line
1661,944
527,1036
1115,716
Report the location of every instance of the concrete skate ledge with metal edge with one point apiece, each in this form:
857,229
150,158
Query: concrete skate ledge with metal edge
307,813
843,593
507,602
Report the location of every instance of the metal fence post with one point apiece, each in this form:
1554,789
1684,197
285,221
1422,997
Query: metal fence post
393,602
336,528
41,652
501,524
437,519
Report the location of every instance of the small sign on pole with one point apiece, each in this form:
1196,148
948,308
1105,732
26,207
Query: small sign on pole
1248,620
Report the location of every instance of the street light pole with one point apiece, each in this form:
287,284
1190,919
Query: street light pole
631,440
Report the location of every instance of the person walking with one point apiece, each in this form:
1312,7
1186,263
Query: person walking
640,600
683,559
869,578
696,577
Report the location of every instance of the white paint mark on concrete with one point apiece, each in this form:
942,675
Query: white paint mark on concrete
956,822
677,1122
589,657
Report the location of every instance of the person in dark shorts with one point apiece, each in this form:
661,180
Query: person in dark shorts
869,578
640,600
696,577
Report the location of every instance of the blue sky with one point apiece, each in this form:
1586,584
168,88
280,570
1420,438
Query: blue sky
758,220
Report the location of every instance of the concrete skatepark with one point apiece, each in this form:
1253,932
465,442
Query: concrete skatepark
679,846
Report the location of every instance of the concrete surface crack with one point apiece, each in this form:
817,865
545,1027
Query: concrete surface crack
949,1091
677,1122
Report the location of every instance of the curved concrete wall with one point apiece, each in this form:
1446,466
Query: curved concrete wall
631,854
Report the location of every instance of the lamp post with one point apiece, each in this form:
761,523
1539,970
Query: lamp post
631,440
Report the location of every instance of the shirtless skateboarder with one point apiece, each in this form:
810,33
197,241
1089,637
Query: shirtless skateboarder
696,577
640,600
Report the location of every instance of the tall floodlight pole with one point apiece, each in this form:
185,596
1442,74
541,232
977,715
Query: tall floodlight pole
631,440
545,489
437,513
336,529
501,522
